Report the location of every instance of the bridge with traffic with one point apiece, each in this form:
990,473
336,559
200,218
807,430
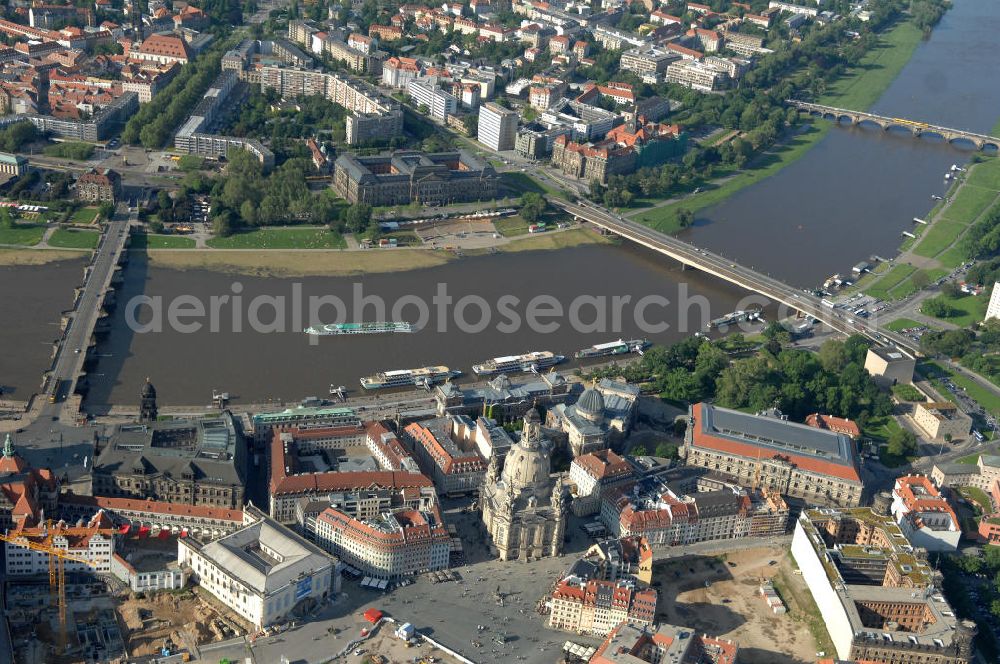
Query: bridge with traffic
981,141
71,352
739,275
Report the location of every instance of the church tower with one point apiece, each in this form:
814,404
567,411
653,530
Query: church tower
147,403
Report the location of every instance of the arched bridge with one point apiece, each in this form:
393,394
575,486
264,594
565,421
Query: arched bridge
981,141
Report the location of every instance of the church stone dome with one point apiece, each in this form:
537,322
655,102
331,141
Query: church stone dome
526,466
591,404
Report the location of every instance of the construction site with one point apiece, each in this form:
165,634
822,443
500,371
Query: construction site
104,627
721,596
82,615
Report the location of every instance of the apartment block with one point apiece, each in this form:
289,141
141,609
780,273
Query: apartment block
497,127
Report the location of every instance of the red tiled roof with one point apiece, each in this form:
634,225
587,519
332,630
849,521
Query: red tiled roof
154,507
831,423
164,45
749,450
604,464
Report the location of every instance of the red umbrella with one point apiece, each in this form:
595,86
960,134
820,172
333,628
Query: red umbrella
184,532
163,534
125,528
143,531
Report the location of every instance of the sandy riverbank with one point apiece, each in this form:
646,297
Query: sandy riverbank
36,256
337,263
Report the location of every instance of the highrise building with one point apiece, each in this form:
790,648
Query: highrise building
993,308
497,127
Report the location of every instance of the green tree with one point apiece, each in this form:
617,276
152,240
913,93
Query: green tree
248,212
222,224
639,450
666,450
938,307
471,123
685,217
920,279
357,217
533,206
951,290
156,226
901,442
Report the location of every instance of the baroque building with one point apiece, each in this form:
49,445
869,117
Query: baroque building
524,507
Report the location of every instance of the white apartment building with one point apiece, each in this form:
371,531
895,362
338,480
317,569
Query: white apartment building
993,308
497,127
440,104
94,543
696,75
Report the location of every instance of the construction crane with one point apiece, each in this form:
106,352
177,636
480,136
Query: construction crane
57,574
756,472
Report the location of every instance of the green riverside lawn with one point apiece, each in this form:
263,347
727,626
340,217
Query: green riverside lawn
70,238
85,215
144,241
280,238
941,240
857,90
27,235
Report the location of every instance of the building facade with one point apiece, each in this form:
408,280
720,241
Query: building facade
446,455
406,176
523,507
99,186
262,572
602,417
633,643
889,366
796,460
439,103
925,517
597,607
395,544
880,603
497,127
93,542
194,462
941,421
593,474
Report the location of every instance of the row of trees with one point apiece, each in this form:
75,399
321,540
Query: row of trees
979,352
982,240
16,135
156,120
797,382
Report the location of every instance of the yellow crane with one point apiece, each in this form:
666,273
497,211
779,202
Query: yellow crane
756,472
57,573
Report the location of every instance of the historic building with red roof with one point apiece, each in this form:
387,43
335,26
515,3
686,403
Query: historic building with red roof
924,515
292,480
26,493
817,466
633,643
393,545
597,606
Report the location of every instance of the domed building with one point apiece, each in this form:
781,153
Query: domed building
524,508
147,403
601,416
